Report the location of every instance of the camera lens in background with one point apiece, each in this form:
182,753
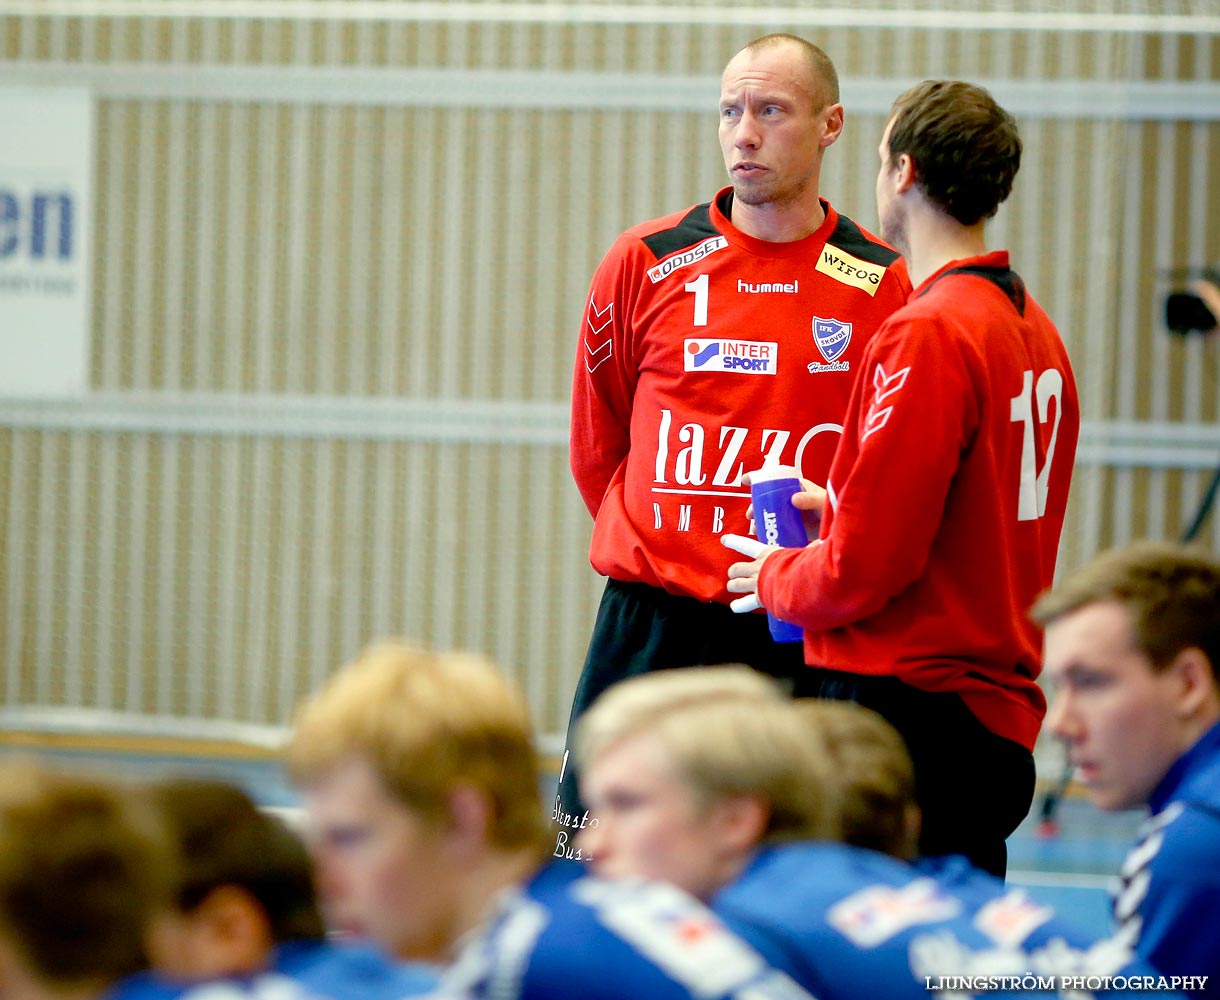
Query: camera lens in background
1185,313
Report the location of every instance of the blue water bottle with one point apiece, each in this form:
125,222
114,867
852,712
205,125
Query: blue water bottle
777,522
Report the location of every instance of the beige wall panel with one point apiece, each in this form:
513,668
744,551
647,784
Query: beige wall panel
224,578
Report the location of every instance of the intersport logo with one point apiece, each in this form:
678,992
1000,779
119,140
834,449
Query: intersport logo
741,357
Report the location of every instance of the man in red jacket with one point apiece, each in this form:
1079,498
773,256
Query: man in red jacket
713,339
947,492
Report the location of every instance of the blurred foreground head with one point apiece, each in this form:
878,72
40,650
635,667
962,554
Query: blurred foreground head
245,882
420,783
689,771
874,775
85,872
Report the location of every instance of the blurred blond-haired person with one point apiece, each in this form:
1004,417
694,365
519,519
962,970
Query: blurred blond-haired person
711,778
421,787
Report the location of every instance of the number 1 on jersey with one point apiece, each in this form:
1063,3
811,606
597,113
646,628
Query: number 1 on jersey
699,287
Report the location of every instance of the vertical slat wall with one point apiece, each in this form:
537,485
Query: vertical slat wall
294,218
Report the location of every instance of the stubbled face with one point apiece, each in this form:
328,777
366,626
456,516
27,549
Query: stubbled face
381,868
1117,716
649,824
889,210
771,132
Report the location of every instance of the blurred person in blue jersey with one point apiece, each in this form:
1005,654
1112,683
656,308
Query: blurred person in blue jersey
85,873
245,903
1133,657
876,805
710,778
421,791
87,876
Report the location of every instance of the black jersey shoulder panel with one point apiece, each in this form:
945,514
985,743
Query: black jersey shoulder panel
850,238
694,227
1004,278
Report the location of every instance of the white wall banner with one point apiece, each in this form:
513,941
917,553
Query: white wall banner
46,176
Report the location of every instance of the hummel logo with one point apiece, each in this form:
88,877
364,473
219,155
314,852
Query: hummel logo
876,420
595,313
884,385
887,385
597,355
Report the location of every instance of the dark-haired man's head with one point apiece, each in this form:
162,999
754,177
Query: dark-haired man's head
962,150
245,881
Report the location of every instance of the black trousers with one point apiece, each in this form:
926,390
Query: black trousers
641,628
973,786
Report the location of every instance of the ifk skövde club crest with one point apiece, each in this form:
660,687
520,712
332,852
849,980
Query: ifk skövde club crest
831,336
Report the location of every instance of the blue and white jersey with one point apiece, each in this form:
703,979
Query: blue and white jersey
305,970
567,935
352,971
265,986
848,923
1167,906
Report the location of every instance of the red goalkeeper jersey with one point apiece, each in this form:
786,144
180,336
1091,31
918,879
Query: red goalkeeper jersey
704,351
